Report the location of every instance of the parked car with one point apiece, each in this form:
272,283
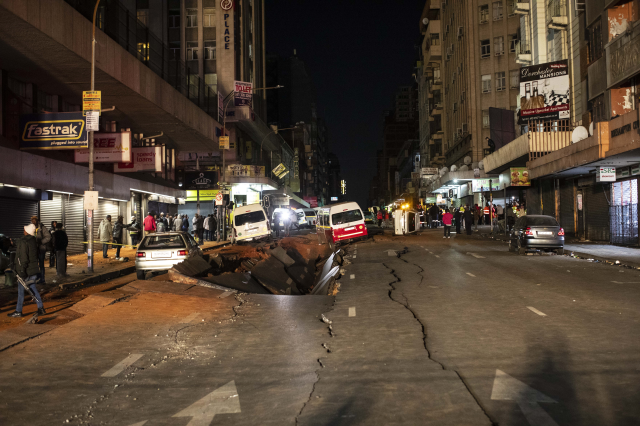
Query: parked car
250,224
306,218
536,232
160,251
369,218
340,222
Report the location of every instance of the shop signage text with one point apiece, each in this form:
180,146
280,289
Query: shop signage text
145,159
606,174
107,148
624,129
53,131
227,33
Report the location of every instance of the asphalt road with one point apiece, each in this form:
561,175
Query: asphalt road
425,330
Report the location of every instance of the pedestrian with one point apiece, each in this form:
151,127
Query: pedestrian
134,230
27,268
206,224
170,220
177,224
60,243
200,228
149,224
52,253
105,234
185,223
379,217
213,227
486,215
286,218
161,225
433,214
43,238
476,216
468,219
458,218
118,227
446,221
194,229
276,223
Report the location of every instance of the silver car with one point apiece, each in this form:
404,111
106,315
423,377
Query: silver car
161,250
537,232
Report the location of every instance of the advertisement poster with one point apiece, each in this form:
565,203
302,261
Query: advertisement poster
428,171
520,176
481,185
544,92
145,159
107,148
247,171
60,130
244,94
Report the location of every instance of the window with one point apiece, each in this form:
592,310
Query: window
501,81
45,101
514,79
210,49
249,218
485,119
435,39
162,242
511,5
211,81
174,18
436,74
192,18
174,46
143,52
485,48
497,10
346,217
192,50
498,45
513,40
455,107
484,13
143,16
486,83
594,41
209,17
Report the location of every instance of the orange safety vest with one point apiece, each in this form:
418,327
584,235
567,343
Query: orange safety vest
486,210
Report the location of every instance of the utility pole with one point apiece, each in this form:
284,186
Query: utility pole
90,217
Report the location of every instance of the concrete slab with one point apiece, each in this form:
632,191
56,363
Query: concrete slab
238,281
270,273
280,254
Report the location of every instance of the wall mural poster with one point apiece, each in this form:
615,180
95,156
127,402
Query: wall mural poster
545,92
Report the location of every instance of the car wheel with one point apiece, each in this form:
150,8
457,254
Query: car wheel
560,252
141,275
521,250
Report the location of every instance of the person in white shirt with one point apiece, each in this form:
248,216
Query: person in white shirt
207,226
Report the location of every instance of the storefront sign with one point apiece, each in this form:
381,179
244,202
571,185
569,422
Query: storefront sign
623,59
205,195
482,185
635,170
280,171
439,199
93,121
624,129
92,101
60,130
145,159
606,174
428,171
520,176
243,94
544,92
243,170
200,180
224,142
107,148
622,173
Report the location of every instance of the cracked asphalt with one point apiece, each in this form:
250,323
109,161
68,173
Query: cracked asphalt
423,331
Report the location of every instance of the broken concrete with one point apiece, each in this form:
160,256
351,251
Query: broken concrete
195,266
271,274
280,254
238,281
303,276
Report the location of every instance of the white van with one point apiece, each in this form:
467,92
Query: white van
340,222
306,218
250,223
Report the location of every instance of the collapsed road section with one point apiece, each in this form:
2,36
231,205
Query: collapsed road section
292,266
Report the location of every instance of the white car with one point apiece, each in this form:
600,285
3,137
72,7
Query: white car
250,223
159,251
306,218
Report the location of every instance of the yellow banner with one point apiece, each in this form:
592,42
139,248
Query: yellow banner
205,195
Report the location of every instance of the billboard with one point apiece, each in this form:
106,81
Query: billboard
107,148
481,185
243,94
243,170
145,159
60,130
520,176
545,92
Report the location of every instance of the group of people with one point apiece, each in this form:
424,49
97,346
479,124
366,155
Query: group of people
114,233
203,227
466,216
282,221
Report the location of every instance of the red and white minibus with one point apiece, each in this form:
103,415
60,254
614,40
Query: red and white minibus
340,222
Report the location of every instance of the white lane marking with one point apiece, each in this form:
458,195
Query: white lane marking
226,294
223,400
119,367
354,256
391,252
352,276
355,252
506,388
470,274
532,309
437,256
477,256
189,318
352,311
626,282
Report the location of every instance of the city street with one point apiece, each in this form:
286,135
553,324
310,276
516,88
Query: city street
424,330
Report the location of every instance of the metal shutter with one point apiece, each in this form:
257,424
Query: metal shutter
51,210
137,206
16,214
74,222
105,207
533,198
548,198
566,206
597,212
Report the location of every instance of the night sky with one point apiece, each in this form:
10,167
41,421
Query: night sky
358,52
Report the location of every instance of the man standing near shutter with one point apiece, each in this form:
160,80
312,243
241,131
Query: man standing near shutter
105,234
43,239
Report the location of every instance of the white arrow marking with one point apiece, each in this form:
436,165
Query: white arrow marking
352,311
354,256
391,252
532,309
119,367
221,401
506,388
140,423
470,274
352,276
626,282
437,256
477,256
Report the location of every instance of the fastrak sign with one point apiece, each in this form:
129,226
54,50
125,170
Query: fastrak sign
107,148
145,159
61,130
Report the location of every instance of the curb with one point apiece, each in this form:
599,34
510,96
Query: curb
94,279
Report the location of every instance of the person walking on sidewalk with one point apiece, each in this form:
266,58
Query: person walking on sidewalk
379,217
134,230
149,224
60,243
476,217
468,219
118,229
458,217
206,224
446,221
105,234
43,238
177,224
27,268
52,253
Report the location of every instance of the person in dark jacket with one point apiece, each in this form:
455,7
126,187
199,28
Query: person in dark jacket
433,214
458,218
27,268
118,227
60,243
43,240
468,218
134,230
52,253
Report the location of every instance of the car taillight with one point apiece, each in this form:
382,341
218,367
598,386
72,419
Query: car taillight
528,231
141,254
182,252
561,233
